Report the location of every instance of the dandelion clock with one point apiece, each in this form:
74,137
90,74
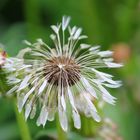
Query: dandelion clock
67,73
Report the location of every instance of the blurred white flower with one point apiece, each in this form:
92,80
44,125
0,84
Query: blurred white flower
109,130
53,77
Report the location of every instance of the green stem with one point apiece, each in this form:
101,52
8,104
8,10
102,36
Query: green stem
24,130
60,132
86,129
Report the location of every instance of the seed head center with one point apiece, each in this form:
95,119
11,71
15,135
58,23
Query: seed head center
62,69
61,66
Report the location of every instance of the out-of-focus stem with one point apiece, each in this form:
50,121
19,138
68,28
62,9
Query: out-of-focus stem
61,134
85,126
24,130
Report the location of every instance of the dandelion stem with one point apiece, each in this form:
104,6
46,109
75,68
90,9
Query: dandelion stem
85,126
60,132
24,130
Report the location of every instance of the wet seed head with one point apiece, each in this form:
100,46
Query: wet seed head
62,69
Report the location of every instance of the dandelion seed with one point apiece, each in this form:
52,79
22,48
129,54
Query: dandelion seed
65,73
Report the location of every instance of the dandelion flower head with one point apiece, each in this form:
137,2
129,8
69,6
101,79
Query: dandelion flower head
65,75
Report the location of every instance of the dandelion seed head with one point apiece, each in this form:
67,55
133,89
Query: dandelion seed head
63,67
67,72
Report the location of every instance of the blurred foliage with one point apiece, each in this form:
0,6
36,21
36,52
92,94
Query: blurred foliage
108,23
